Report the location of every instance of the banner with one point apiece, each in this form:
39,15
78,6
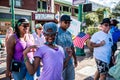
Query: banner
76,2
74,27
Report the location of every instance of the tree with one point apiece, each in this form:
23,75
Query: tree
97,16
102,11
116,10
91,19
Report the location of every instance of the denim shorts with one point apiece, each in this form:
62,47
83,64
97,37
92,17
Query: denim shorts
102,66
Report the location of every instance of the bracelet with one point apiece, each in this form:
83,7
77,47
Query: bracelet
25,59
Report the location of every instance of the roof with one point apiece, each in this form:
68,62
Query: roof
63,2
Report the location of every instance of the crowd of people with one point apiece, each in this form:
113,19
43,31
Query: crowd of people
51,48
27,53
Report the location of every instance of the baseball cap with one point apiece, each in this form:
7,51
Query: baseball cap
65,18
50,25
115,21
106,20
22,21
38,26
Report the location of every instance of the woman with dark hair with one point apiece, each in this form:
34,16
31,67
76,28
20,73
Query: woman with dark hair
16,44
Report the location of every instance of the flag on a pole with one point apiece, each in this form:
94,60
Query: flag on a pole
80,39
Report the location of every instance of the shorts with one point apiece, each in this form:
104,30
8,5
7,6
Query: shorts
102,67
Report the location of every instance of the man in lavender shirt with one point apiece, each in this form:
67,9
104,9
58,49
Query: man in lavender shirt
51,55
52,62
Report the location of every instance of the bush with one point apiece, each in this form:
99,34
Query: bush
92,30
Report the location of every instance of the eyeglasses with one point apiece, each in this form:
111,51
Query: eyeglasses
67,22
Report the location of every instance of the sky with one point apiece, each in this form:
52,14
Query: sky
109,3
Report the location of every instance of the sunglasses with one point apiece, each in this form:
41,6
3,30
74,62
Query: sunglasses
25,25
67,22
50,35
106,25
39,28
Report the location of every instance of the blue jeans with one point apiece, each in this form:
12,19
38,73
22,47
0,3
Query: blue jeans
69,72
38,72
22,74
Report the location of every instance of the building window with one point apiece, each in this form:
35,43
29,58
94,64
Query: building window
60,8
39,6
44,5
65,8
17,3
76,10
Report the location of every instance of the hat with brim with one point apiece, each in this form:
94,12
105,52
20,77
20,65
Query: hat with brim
115,21
50,26
65,18
105,20
38,26
22,21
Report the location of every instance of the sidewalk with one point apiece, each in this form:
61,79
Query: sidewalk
84,71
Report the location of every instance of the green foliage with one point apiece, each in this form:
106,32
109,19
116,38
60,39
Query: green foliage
100,13
97,16
91,18
116,10
91,30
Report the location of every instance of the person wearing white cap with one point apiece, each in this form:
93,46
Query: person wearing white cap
38,35
39,40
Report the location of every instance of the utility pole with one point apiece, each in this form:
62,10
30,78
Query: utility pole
79,51
80,10
13,14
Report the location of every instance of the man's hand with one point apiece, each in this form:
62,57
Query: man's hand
102,43
69,51
30,49
75,63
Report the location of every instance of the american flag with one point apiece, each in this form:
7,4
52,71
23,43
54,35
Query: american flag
80,39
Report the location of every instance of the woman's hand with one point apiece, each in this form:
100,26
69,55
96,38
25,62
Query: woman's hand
8,73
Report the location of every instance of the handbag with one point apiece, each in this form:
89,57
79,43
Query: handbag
16,66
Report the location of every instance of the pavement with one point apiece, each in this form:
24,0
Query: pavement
84,71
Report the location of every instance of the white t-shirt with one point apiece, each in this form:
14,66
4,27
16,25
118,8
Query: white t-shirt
102,53
38,40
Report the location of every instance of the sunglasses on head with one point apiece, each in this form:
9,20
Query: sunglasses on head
67,22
